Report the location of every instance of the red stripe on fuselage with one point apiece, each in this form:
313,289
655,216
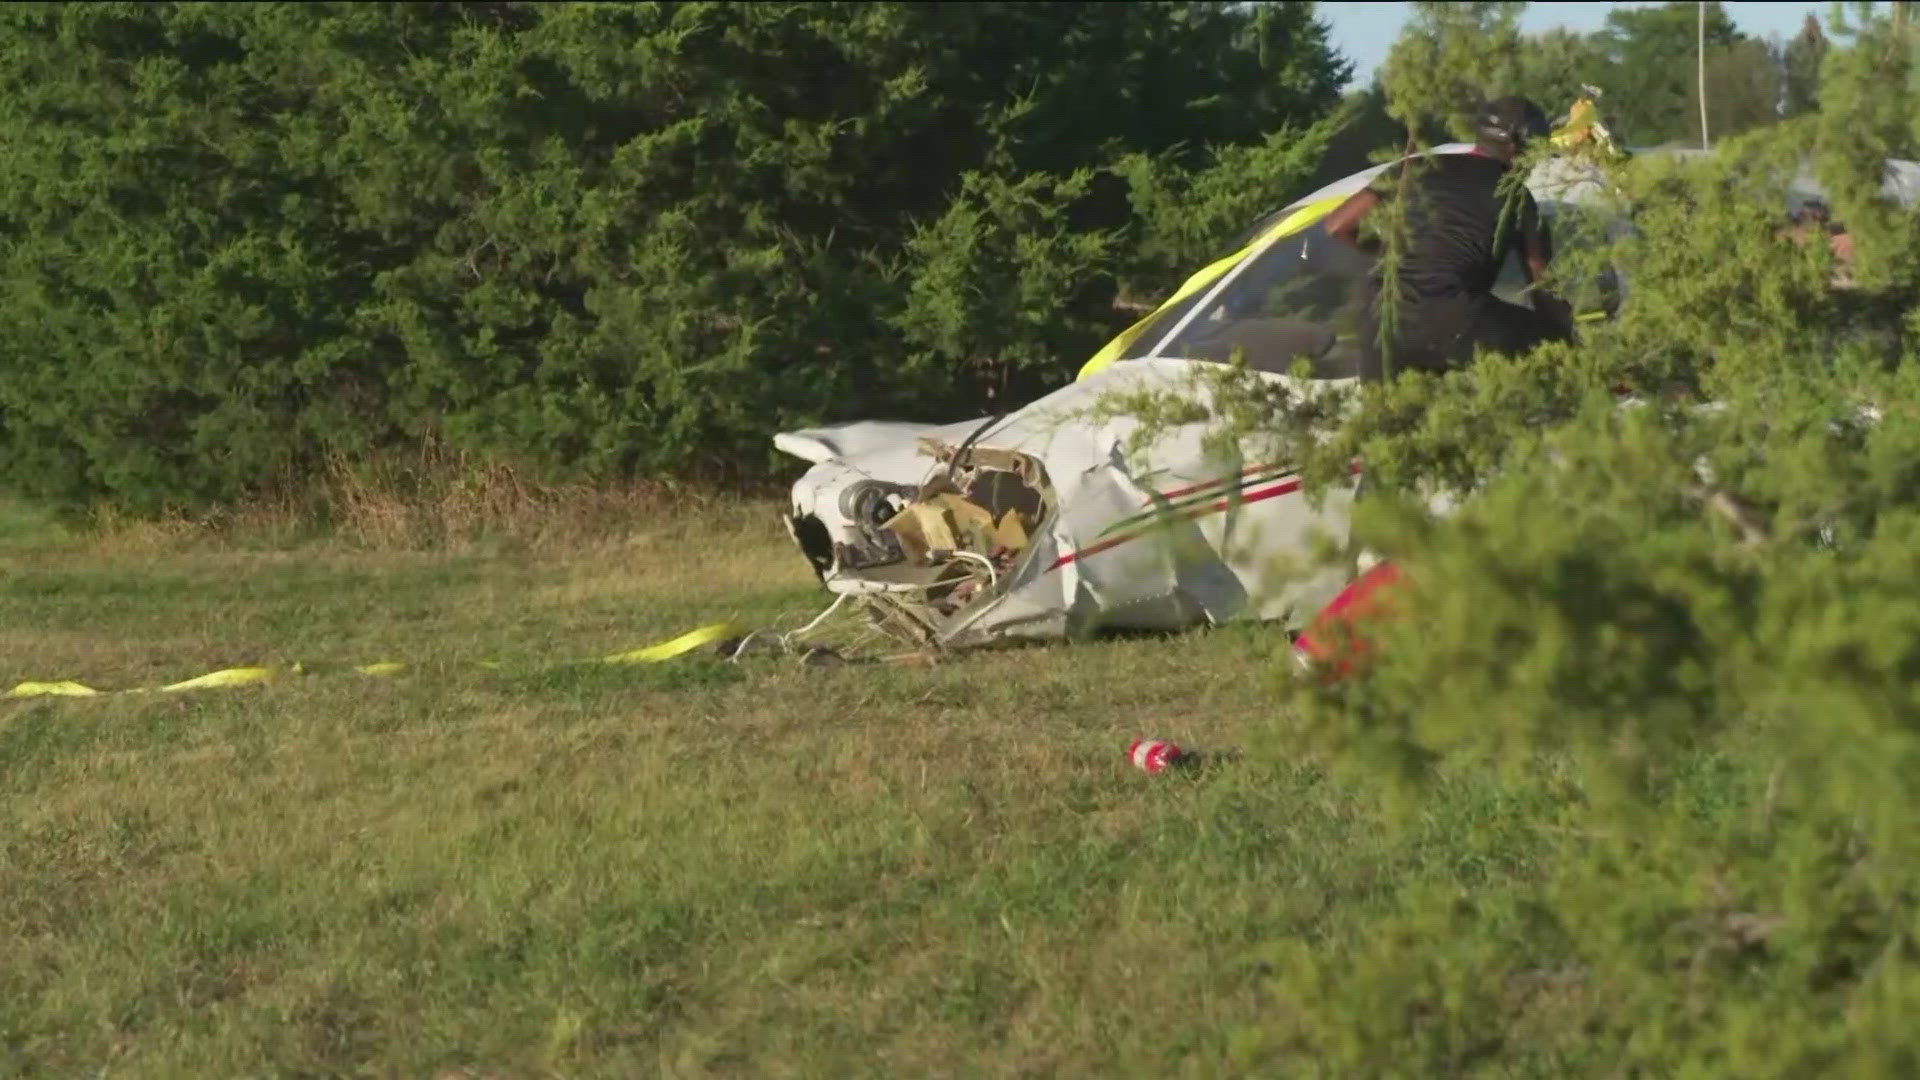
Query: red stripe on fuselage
1285,488
1204,485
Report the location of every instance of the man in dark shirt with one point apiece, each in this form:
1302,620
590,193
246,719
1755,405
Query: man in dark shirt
1465,215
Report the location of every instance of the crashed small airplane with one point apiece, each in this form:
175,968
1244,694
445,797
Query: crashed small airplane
1042,524
1053,521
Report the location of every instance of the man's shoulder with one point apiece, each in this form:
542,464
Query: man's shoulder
1472,172
1456,176
1476,168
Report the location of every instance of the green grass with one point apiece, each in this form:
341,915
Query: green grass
22,524
687,869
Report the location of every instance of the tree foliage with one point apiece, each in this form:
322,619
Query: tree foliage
593,239
1451,56
1800,60
1645,60
1653,68
1684,623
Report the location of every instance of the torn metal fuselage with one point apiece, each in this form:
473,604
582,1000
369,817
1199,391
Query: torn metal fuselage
1050,522
919,555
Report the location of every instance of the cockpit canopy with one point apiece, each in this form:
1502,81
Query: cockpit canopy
1290,291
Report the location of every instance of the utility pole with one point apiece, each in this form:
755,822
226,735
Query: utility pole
1700,53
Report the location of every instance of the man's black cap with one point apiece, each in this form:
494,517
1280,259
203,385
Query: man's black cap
1509,123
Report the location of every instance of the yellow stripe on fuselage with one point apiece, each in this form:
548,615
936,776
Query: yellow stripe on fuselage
1300,219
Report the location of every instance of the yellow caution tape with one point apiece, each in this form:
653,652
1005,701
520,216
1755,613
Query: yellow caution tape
1580,121
667,650
1585,129
52,689
248,676
230,677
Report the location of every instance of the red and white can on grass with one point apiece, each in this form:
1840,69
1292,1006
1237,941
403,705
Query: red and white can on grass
1153,755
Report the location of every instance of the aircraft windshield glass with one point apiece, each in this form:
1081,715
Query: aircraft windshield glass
1299,297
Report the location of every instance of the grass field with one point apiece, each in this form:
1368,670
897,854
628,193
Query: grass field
693,868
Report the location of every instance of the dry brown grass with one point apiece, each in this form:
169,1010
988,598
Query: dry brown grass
432,498
439,498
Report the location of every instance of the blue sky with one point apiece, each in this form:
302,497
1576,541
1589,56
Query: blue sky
1364,31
